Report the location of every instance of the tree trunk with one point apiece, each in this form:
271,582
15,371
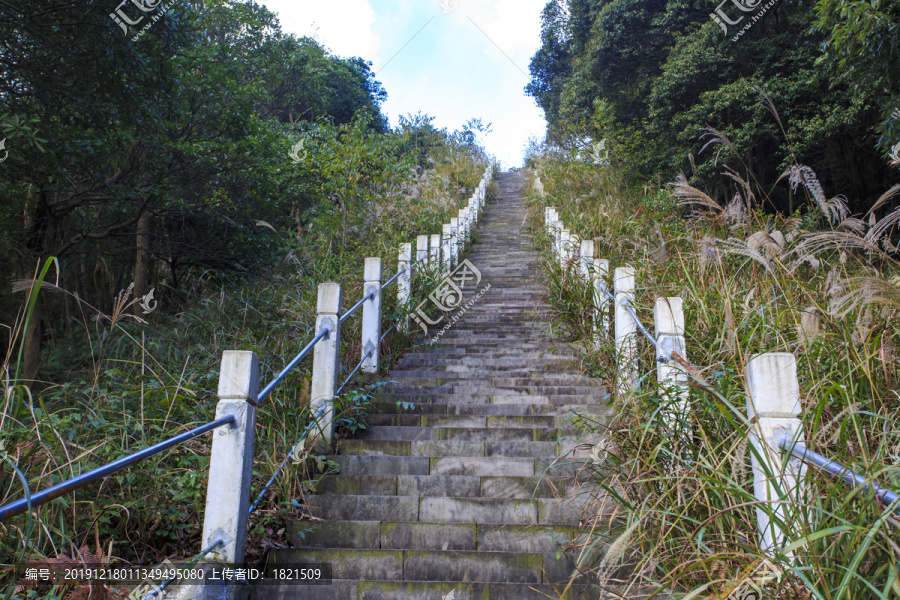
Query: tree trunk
31,340
142,260
31,353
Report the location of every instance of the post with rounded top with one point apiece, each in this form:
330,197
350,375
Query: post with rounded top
326,362
454,241
565,240
404,282
465,226
575,252
446,258
670,373
549,216
601,300
371,319
552,231
773,409
421,251
586,264
231,457
626,331
434,251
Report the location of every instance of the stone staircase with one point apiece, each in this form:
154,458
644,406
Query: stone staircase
468,494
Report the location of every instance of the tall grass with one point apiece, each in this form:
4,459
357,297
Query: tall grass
752,282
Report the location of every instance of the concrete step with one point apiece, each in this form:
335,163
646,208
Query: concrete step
514,406
446,485
448,448
399,432
473,421
422,565
430,590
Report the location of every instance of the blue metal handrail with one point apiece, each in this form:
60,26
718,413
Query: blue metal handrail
815,459
347,314
349,377
393,279
20,506
291,366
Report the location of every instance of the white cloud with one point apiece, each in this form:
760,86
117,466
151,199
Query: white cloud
347,27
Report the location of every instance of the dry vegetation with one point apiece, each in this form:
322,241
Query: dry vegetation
820,283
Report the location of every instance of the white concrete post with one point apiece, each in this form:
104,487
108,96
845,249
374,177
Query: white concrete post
557,238
626,331
601,300
586,264
454,241
575,252
464,225
551,231
231,457
446,258
668,316
404,282
421,251
434,251
326,360
371,319
565,240
773,408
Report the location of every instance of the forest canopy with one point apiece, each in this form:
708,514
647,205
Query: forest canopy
651,75
152,147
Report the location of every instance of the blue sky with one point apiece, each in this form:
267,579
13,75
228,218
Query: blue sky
469,59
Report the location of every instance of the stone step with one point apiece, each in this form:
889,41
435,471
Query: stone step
415,433
431,590
393,535
600,397
494,388
513,406
448,448
474,421
533,511
423,565
446,485
527,376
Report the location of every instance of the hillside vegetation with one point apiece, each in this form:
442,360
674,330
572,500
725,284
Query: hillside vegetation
229,169
819,283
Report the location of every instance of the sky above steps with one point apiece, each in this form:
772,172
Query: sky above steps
451,59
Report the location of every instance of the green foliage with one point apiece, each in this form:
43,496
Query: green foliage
861,49
648,76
